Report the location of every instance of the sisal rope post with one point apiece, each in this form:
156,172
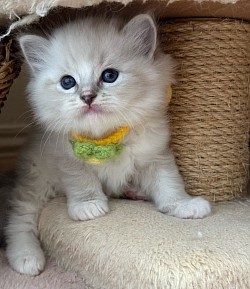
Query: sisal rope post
210,106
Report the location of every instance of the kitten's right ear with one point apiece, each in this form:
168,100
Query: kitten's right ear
35,49
141,33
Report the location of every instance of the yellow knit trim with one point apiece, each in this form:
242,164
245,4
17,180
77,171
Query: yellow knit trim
169,93
114,138
95,161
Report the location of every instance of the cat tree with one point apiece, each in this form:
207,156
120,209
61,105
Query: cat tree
135,247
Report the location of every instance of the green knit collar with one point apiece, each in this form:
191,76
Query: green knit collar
97,151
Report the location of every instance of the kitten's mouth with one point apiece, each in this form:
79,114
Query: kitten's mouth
93,109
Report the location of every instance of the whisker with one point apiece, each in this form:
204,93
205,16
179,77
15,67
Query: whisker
138,121
42,150
26,112
58,135
25,127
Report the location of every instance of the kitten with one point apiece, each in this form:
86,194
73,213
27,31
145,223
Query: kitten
91,77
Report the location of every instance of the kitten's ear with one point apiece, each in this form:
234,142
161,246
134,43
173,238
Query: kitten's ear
141,32
35,50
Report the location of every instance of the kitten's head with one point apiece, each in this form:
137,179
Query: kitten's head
94,75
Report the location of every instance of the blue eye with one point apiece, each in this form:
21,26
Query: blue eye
109,75
68,82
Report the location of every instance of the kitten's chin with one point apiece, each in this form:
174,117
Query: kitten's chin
96,122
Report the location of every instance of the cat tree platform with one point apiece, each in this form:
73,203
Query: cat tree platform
134,246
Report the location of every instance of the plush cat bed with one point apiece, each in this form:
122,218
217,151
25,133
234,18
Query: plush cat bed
136,247
33,9
173,8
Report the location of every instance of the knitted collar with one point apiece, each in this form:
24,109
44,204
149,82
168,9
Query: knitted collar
97,151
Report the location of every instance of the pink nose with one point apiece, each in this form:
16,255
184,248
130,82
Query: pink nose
88,98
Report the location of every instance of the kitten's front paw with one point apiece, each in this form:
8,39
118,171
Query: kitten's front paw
88,210
195,208
28,261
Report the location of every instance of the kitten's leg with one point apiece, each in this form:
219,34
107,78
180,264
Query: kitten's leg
165,187
85,198
23,249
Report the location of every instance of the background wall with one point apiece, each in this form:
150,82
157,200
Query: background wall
13,120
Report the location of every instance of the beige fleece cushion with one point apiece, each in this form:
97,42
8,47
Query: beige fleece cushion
136,247
41,7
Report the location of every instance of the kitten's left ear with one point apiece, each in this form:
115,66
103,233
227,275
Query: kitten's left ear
141,33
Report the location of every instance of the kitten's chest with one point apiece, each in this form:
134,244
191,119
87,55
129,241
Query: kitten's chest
118,175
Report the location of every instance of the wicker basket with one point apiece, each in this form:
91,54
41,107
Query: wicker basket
10,67
210,110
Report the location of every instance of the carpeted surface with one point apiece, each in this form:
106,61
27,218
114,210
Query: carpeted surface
53,277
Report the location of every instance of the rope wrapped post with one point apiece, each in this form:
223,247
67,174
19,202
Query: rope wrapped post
210,106
10,67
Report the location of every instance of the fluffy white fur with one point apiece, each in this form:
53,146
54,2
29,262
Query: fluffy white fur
84,49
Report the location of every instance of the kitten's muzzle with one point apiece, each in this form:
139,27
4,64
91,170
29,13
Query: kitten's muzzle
88,98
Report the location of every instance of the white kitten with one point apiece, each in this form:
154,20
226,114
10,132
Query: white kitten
91,77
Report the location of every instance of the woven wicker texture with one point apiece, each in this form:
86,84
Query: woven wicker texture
10,67
210,111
